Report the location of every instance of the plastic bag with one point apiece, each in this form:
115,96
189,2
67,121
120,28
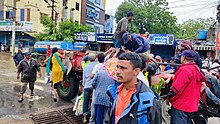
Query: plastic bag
47,78
78,107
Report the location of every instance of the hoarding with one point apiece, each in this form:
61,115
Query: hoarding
84,36
161,39
20,26
104,38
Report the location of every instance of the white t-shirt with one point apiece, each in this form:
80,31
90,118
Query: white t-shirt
214,71
97,68
141,77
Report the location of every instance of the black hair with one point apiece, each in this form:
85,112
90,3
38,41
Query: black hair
143,61
151,69
101,57
216,60
134,58
129,14
54,50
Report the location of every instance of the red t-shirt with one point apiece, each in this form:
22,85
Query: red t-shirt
187,85
48,52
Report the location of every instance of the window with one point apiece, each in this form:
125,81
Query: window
28,14
1,15
22,15
97,15
77,6
72,14
65,2
90,12
77,22
97,1
7,14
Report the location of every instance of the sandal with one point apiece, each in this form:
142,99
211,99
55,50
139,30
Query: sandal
21,99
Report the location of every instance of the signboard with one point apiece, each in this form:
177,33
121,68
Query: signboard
161,39
218,41
104,38
84,36
20,26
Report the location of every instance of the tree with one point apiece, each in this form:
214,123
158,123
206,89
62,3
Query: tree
149,16
189,29
63,32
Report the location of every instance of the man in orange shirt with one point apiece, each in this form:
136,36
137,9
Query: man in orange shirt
132,101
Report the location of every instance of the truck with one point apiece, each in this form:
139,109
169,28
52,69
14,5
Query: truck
68,89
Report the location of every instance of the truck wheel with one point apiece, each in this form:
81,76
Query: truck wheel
41,61
68,89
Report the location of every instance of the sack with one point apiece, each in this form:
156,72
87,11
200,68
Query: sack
78,107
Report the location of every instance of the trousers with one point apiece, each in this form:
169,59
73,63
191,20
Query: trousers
24,86
180,117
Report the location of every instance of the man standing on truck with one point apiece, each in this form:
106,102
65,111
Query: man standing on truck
184,93
28,68
135,43
187,45
122,28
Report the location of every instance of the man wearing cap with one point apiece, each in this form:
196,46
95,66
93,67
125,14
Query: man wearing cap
185,90
135,43
187,45
122,28
28,68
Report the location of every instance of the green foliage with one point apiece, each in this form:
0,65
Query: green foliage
149,16
190,28
62,32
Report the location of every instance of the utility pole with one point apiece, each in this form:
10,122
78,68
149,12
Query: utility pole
52,5
13,28
52,15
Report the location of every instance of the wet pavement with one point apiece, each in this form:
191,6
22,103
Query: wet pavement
18,113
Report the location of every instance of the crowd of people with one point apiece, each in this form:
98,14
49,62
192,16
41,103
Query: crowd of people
131,94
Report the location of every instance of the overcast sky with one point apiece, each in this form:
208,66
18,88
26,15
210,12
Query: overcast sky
183,9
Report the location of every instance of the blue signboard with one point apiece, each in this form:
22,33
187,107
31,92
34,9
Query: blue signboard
104,38
161,39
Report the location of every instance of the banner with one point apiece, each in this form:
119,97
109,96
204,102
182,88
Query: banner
104,38
218,41
20,26
84,36
161,39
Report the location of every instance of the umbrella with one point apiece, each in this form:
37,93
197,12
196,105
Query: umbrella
111,67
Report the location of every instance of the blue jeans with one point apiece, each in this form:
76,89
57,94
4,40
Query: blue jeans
100,112
180,117
117,44
87,96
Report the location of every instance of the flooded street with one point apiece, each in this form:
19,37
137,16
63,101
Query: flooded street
12,112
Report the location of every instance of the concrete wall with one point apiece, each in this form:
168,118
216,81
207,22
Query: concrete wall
40,7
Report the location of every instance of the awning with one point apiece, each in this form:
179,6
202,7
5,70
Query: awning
206,48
